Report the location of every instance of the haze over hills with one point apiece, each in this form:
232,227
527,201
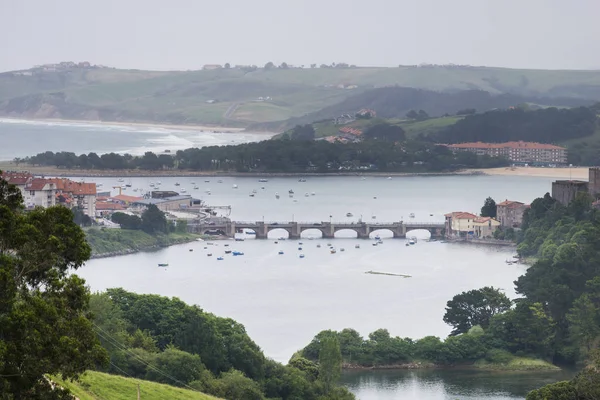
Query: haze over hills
248,96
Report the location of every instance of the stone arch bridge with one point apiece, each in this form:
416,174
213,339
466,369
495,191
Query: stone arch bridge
328,229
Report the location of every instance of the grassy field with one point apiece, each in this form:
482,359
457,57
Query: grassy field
518,364
105,241
180,96
100,386
416,128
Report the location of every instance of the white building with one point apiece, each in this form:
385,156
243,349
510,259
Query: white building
39,192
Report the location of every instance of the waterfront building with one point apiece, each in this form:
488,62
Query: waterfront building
40,192
465,224
510,213
517,152
171,203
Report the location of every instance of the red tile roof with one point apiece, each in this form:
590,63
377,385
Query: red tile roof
104,206
126,199
37,184
510,204
77,188
16,178
461,215
512,145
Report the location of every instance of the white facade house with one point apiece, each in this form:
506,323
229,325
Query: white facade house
39,193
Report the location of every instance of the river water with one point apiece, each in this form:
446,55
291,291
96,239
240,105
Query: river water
284,300
22,138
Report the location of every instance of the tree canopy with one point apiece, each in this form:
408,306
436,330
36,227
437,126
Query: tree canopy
475,307
489,208
44,325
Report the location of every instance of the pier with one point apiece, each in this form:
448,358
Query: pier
327,229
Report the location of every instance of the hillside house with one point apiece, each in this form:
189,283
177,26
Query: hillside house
76,195
510,213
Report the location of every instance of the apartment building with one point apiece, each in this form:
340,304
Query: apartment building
517,152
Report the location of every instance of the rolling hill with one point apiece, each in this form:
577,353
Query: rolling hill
244,96
97,385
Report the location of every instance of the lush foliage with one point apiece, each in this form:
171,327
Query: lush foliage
548,125
585,386
385,132
291,156
489,208
165,340
475,307
44,325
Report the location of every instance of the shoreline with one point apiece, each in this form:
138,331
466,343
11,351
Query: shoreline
53,171
139,124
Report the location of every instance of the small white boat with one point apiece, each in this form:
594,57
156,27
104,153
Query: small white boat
312,193
357,246
301,180
332,251
254,191
207,181
183,190
411,242
196,188
301,256
158,183
373,217
349,215
263,180
290,191
120,180
389,178
177,184
251,194
411,215
219,181
276,195
306,194
235,186
291,195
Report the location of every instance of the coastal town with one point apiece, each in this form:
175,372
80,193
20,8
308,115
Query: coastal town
99,205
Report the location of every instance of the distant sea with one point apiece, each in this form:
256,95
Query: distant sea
22,138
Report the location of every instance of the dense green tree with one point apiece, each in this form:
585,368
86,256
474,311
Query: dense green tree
44,325
385,132
154,221
269,65
303,132
489,208
182,367
466,111
584,317
127,221
475,307
330,362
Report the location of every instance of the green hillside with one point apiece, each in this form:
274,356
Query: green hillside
186,97
99,386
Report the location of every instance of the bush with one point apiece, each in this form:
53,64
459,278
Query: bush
499,356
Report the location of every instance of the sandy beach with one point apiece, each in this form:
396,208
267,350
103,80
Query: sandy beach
578,173
221,129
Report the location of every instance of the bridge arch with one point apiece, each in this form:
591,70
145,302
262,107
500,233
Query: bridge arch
345,233
419,233
312,233
383,233
276,233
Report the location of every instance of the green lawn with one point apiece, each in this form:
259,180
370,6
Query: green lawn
427,127
518,364
100,386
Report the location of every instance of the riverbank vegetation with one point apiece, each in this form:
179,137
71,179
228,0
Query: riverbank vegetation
285,156
109,242
165,340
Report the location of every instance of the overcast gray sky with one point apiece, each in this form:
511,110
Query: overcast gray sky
185,34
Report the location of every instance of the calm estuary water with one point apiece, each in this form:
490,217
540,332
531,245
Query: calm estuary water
284,300
21,138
